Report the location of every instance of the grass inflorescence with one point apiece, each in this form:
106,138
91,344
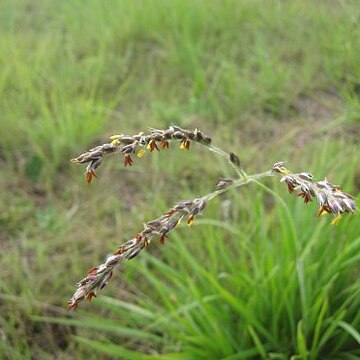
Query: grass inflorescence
330,198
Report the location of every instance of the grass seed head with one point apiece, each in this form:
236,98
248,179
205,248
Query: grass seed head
331,198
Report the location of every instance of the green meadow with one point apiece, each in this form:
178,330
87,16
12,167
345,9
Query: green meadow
258,276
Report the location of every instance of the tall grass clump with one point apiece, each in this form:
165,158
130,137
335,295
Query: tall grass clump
272,286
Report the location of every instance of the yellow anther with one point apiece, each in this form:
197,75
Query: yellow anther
141,153
191,220
115,137
336,220
284,171
322,212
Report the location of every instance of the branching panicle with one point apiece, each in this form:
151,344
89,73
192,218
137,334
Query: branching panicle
331,198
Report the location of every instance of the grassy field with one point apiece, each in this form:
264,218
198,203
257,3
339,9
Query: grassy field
259,276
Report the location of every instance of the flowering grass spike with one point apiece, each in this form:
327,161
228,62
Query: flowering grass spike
127,145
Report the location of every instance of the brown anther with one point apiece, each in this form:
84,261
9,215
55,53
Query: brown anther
185,144
90,295
162,239
164,144
323,210
290,186
128,160
89,175
306,196
153,146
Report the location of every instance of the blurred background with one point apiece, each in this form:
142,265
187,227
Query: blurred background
258,276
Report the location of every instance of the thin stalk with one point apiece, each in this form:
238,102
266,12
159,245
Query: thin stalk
237,183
